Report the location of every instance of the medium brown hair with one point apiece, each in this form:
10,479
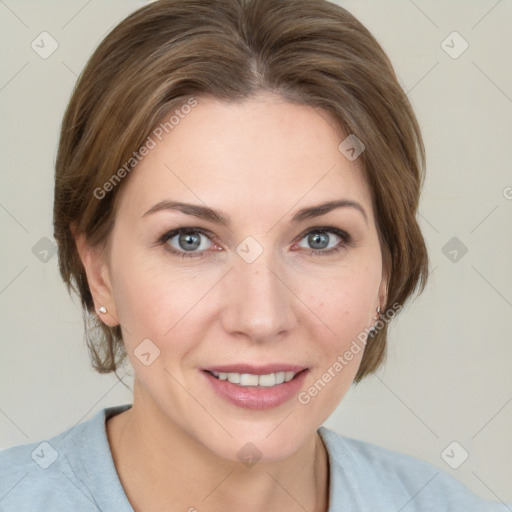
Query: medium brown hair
310,52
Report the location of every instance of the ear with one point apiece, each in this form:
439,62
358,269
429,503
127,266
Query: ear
383,290
94,260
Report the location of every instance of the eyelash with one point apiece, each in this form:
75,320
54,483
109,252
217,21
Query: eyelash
345,237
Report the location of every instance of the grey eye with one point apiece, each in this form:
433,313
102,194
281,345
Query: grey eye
188,241
318,240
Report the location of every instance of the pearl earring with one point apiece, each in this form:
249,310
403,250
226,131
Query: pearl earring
102,309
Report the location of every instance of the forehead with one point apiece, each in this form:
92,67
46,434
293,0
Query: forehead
262,154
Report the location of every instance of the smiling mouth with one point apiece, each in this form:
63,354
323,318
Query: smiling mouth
251,380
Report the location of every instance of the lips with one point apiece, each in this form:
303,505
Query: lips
267,394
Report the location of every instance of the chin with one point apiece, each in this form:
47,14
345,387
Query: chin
264,441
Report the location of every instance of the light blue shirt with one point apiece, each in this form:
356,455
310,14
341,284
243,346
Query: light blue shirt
74,471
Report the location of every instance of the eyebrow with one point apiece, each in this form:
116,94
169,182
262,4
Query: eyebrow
206,213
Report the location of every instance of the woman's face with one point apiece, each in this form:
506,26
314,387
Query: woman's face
246,293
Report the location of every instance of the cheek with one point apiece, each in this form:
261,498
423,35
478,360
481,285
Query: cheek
151,307
346,303
149,303
145,297
155,301
344,313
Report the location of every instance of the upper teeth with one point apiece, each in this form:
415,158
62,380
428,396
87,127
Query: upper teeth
248,379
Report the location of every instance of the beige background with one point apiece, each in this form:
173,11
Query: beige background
448,375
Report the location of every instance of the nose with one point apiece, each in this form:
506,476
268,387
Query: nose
259,304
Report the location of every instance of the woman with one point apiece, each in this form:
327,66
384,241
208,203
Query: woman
235,199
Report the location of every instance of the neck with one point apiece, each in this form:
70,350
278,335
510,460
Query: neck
159,463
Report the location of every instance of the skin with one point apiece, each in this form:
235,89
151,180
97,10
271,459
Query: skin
258,162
